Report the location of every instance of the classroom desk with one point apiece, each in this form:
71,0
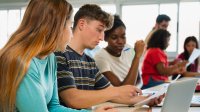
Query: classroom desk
125,108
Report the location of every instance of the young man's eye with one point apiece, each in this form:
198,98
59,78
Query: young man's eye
99,30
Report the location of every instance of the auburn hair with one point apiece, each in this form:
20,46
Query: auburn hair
38,35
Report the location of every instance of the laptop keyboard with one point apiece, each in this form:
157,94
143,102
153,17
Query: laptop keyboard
195,101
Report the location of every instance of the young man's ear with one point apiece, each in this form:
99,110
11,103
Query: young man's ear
156,26
81,24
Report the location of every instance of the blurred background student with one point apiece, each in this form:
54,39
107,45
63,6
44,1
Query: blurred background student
190,44
162,22
155,68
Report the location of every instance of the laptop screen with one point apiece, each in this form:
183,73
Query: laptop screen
179,95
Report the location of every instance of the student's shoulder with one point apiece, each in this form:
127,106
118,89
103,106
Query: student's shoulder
60,56
62,53
103,56
101,53
128,49
34,69
181,55
88,58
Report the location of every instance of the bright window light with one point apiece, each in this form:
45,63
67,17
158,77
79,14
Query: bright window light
3,27
171,11
139,21
189,22
13,21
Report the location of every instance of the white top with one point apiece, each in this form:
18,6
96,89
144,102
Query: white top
120,66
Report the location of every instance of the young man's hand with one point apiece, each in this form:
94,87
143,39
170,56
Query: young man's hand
125,94
153,102
156,101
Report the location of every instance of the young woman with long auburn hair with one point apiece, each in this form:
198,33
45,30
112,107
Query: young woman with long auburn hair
27,65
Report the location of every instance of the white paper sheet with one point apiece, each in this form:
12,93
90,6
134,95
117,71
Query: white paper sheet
194,55
155,95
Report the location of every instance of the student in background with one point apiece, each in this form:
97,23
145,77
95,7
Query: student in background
81,85
118,61
189,45
28,81
155,68
162,22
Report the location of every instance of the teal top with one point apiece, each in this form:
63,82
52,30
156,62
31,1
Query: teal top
37,91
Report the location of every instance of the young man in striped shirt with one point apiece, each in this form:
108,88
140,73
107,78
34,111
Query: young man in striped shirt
80,83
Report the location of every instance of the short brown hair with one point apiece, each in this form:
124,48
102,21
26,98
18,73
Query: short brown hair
93,12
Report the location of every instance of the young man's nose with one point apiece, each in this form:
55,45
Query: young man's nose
101,36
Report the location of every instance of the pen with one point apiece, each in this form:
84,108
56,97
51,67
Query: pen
127,49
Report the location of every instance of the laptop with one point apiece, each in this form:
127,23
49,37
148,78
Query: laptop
179,95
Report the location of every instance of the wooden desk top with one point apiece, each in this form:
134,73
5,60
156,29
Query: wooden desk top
125,108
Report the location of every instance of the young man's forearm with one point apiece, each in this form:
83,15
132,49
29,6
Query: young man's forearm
79,99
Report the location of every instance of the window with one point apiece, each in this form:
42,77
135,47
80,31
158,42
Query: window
171,11
13,23
142,19
22,12
3,27
7,24
189,22
139,21
110,9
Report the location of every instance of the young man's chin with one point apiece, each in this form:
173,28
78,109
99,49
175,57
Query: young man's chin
91,48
